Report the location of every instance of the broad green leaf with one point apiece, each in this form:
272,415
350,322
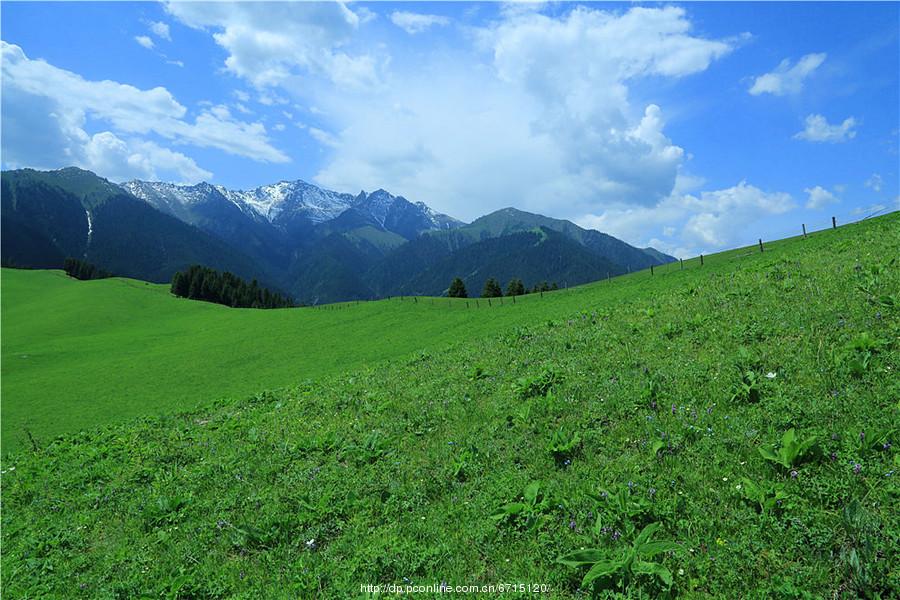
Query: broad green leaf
582,557
601,569
531,491
646,534
657,446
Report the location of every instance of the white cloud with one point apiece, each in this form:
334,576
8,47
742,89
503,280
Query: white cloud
118,160
874,182
818,197
144,41
279,127
546,125
712,221
413,23
71,100
323,137
270,43
787,79
160,30
818,130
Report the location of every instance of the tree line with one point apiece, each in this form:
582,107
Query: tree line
492,288
202,283
84,270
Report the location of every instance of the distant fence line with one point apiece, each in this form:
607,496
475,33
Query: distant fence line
480,302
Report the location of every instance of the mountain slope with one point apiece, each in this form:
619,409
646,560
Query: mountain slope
74,213
533,256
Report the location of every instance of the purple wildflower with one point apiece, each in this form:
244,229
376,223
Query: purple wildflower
886,446
862,436
652,492
616,534
857,468
794,474
572,524
834,456
673,409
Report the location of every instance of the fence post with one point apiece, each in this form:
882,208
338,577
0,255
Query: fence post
760,245
514,299
467,304
701,260
476,303
804,231
489,301
651,269
542,293
682,263
608,278
833,223
415,300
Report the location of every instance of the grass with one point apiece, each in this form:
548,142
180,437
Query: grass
748,408
77,354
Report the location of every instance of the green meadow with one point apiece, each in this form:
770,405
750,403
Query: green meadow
724,430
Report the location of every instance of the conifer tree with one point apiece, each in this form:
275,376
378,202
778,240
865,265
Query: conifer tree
491,289
457,289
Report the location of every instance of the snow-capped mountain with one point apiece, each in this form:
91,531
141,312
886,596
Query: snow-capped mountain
288,199
292,206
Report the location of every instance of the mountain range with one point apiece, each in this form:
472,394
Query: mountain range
314,244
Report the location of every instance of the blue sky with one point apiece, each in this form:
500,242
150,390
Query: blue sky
692,127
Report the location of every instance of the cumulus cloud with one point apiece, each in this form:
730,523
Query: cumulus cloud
713,220
818,197
819,130
546,124
413,23
72,99
119,160
144,41
787,78
269,43
160,30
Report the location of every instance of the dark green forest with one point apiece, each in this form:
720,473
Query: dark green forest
203,283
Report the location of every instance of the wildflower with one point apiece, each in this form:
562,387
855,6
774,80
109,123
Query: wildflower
572,524
886,446
862,436
833,456
616,535
794,474
709,410
652,492
311,544
771,375
630,485
857,468
673,409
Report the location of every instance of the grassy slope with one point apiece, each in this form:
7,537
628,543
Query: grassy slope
81,353
395,469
